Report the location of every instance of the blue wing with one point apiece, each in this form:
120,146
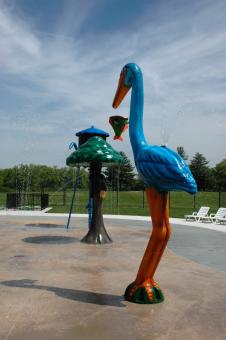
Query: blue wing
164,169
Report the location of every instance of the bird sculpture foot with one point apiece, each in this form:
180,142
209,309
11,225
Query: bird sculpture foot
148,292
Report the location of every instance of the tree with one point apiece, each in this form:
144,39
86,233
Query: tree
138,184
67,178
220,175
46,178
126,174
9,179
112,173
24,178
1,179
201,171
33,177
182,153
123,177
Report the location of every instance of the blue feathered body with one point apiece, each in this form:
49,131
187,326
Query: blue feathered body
158,166
163,169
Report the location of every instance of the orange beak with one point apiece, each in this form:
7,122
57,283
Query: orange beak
121,91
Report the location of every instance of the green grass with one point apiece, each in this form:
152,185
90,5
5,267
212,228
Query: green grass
128,203
2,199
133,202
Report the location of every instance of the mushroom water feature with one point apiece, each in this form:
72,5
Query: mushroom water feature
162,170
95,152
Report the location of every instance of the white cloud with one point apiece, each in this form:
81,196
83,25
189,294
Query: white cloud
57,84
19,47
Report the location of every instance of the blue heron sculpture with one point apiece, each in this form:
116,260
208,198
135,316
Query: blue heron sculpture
162,170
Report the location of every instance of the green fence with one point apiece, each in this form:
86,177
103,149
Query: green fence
2,200
133,202
181,203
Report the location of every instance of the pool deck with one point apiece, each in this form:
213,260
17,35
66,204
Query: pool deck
179,221
60,290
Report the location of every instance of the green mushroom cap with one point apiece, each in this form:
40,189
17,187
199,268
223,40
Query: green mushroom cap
96,149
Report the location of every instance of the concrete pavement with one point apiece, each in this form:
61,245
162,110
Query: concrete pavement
63,289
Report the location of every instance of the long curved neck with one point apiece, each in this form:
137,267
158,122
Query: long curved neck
136,133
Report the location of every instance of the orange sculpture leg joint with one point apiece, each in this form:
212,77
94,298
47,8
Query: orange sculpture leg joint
144,289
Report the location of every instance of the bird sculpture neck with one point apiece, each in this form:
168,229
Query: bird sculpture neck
136,112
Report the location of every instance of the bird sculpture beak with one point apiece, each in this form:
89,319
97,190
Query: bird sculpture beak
121,91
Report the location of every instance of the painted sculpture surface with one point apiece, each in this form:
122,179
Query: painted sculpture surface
119,125
161,170
95,152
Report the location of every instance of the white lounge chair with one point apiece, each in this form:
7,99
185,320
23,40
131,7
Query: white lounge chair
221,212
195,216
222,220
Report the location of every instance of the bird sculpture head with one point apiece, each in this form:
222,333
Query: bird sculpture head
126,81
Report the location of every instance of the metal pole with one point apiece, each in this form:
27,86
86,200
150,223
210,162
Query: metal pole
90,202
118,189
89,205
73,197
90,210
64,197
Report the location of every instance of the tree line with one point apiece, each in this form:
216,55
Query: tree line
36,178
39,178
207,178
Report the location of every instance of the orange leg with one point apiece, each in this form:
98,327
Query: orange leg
158,205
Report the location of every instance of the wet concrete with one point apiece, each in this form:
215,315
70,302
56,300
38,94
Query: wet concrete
50,239
75,290
45,225
203,246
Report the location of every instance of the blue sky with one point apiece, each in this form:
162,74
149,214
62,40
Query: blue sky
59,66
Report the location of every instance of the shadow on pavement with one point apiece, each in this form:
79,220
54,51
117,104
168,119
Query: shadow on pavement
50,239
71,294
45,225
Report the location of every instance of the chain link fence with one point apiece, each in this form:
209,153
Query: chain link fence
133,202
